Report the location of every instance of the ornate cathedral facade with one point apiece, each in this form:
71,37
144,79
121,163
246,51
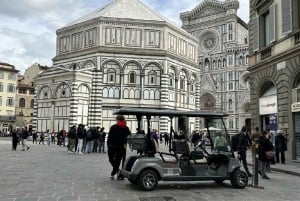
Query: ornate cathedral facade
110,59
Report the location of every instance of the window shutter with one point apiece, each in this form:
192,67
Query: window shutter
286,13
256,33
272,13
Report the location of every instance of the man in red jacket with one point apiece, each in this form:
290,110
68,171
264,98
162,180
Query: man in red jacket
116,143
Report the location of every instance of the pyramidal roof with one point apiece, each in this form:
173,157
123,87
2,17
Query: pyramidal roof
128,9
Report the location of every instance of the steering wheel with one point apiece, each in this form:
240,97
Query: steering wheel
201,145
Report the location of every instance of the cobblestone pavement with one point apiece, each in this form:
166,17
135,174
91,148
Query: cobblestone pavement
51,174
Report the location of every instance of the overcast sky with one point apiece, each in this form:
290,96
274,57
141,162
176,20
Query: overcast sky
27,27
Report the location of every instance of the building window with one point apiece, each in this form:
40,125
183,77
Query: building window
231,86
247,60
32,103
133,37
1,75
266,22
224,63
152,78
131,78
152,38
10,102
77,41
0,101
90,37
12,76
230,123
230,104
22,91
241,60
11,88
113,36
1,87
230,61
111,76
298,95
22,103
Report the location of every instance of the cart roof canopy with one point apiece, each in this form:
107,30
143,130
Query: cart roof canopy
168,112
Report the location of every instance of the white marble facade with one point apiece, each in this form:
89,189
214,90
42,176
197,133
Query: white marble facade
110,58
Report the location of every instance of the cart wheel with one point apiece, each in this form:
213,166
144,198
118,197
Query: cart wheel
132,181
147,180
239,179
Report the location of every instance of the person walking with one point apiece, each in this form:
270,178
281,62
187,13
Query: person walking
243,144
42,137
24,136
280,146
102,136
167,138
14,139
266,147
34,138
116,143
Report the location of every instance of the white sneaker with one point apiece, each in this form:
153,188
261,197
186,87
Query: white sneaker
80,153
70,152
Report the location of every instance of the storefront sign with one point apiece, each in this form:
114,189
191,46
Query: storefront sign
268,105
296,107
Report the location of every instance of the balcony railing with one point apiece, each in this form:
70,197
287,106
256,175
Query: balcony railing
266,53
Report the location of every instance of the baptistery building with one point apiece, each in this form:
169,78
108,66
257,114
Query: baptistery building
114,57
222,59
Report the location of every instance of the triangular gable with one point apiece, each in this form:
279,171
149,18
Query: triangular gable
124,9
207,83
209,7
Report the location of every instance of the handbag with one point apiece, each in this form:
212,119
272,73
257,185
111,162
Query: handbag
269,155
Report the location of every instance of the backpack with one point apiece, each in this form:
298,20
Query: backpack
235,141
89,135
102,136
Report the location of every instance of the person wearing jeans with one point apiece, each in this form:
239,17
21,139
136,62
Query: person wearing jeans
265,145
81,135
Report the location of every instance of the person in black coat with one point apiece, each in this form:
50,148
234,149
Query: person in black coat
116,143
280,146
243,144
15,139
265,146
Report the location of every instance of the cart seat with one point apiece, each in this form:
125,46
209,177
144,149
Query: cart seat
182,147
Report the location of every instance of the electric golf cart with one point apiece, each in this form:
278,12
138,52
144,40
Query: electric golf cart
182,162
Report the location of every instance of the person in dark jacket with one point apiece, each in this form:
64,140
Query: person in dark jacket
265,146
243,144
72,139
280,146
24,136
81,134
116,143
14,139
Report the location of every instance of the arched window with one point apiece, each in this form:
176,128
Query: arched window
241,60
224,63
22,102
230,104
131,78
152,78
111,75
219,63
246,60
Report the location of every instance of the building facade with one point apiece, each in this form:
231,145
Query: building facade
8,85
110,59
223,59
24,107
275,68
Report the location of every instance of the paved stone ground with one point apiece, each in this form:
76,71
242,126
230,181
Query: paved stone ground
51,174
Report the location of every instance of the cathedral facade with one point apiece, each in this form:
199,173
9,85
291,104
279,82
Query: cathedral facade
110,59
223,59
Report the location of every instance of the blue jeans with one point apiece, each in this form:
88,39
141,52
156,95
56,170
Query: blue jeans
89,146
101,146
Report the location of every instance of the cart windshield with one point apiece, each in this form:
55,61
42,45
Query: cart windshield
216,133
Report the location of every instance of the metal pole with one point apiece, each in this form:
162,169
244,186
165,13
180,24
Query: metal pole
256,164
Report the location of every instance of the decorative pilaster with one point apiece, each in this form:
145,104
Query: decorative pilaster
74,102
95,108
164,93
